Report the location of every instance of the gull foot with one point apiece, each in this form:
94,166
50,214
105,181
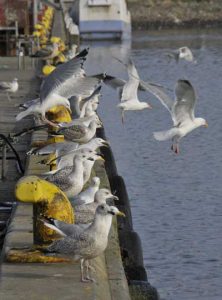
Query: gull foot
87,279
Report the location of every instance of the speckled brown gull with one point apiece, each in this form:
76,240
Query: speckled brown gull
91,242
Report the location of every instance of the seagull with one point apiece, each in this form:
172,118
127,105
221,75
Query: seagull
88,164
90,147
70,179
85,213
87,196
9,87
67,160
181,53
67,80
84,121
80,133
63,228
57,148
182,113
90,243
129,98
47,53
72,52
53,88
66,148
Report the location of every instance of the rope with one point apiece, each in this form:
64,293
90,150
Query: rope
3,137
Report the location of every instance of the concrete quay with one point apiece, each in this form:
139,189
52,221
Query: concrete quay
115,278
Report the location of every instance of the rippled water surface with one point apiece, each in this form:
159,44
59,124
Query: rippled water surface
176,200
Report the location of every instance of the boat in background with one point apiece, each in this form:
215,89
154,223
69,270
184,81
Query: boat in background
101,19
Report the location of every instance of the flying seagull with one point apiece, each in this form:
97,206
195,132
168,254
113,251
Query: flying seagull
129,97
182,113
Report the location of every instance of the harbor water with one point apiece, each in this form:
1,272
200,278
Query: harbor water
175,199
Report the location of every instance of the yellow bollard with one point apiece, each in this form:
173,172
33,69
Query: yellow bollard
59,114
48,200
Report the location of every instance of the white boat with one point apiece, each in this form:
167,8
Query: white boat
101,19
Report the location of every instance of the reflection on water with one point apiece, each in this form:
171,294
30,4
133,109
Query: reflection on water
176,200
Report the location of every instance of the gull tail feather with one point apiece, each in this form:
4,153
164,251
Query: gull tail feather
51,223
165,135
25,113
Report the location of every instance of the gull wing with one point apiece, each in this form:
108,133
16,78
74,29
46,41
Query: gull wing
5,85
62,77
159,94
185,102
96,92
131,86
114,82
84,87
75,246
73,132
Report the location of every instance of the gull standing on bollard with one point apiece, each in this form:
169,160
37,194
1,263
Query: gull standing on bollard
67,80
54,88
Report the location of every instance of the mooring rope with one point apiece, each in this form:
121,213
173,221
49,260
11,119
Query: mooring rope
3,137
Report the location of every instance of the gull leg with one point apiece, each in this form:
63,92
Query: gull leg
177,151
122,116
45,120
88,266
9,98
83,278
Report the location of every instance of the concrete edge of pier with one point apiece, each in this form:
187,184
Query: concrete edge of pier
58,281
115,279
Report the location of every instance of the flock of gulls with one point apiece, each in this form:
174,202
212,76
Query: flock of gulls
69,85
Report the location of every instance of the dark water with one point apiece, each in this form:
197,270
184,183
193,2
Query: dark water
176,200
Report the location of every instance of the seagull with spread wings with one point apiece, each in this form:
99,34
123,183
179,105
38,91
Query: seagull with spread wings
182,113
67,80
129,97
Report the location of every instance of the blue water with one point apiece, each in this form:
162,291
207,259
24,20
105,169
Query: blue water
175,200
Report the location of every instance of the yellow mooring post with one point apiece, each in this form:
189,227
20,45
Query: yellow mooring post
47,200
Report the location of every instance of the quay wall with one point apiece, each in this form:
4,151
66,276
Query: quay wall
159,14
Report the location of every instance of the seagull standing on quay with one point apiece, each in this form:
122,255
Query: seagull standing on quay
182,113
90,243
9,87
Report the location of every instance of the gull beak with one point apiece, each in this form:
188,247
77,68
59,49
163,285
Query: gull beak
115,198
90,158
121,214
206,125
101,158
105,144
69,110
